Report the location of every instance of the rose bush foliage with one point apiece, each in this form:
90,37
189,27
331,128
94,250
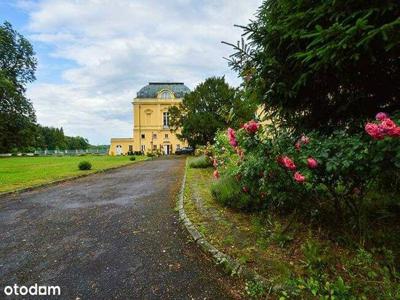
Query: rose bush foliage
276,170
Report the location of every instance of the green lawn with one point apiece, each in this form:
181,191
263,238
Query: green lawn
22,172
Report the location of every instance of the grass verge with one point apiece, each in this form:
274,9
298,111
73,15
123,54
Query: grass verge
25,172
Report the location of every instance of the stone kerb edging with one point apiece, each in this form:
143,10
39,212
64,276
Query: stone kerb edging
229,264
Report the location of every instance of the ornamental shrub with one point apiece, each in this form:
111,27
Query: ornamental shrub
132,158
338,174
202,161
84,165
150,154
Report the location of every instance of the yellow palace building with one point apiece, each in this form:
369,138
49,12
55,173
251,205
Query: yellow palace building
151,130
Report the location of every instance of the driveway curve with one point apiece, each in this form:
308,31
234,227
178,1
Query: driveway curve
107,236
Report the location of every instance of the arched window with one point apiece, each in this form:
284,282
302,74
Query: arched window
166,95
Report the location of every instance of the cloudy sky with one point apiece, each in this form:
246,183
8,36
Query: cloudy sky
94,55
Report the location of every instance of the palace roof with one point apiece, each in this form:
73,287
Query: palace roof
153,88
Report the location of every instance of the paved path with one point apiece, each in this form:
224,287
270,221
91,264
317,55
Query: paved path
112,235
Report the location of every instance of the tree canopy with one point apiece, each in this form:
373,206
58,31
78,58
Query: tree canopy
18,127
211,106
323,64
17,68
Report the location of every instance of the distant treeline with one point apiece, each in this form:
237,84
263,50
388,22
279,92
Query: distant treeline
47,138
54,139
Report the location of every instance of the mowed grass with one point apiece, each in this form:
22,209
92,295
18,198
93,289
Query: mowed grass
23,172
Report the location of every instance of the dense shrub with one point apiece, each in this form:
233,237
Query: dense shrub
339,173
202,161
84,165
132,158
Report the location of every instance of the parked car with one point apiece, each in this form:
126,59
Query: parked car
184,150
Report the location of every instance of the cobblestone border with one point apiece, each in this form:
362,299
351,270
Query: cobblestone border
230,265
55,182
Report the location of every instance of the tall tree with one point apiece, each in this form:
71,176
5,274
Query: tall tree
212,105
17,68
323,64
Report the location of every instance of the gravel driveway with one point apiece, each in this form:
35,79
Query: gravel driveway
111,235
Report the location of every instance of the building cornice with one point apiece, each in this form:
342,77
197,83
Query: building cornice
156,101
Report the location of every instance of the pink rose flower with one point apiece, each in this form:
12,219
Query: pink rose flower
312,163
304,140
387,125
299,177
395,132
216,174
245,189
232,137
251,126
287,163
380,116
231,132
374,130
215,163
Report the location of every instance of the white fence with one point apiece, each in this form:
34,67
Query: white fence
59,152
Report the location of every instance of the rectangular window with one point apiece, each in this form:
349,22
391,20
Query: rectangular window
154,147
130,148
154,136
178,146
166,135
165,119
143,147
143,136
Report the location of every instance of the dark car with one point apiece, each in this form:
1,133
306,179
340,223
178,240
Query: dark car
184,150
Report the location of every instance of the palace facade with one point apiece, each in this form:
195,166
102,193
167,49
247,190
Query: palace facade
151,132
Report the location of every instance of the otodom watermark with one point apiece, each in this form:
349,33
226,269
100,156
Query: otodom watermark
33,290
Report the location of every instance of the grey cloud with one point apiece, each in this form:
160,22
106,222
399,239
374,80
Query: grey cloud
118,46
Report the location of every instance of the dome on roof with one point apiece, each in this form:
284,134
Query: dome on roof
153,88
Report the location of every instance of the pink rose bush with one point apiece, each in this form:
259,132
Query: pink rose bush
285,169
289,164
386,127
